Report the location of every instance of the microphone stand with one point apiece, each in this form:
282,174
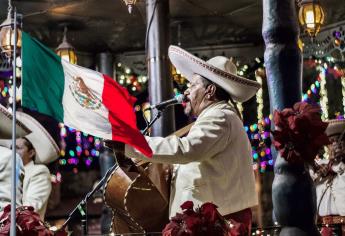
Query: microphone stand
82,205
158,115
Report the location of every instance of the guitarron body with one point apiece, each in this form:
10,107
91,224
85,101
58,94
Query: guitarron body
139,197
138,193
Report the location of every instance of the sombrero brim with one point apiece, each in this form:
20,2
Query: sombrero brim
240,89
6,125
335,127
45,146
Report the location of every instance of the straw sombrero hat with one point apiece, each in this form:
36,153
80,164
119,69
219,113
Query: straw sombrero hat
45,146
335,127
6,125
219,70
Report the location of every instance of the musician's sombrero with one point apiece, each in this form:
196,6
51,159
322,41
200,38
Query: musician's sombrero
335,127
219,70
6,125
44,144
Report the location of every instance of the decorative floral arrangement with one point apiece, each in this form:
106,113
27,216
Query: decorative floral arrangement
300,132
28,223
205,220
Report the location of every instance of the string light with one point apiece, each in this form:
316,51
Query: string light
259,99
86,149
314,88
323,93
135,84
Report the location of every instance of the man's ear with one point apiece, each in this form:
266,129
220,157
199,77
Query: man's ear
32,153
211,90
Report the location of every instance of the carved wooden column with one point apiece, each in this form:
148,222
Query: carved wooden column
293,192
160,82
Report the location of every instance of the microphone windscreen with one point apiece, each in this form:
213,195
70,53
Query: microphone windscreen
180,98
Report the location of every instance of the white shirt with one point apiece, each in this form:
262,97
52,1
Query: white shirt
214,162
5,178
37,187
331,194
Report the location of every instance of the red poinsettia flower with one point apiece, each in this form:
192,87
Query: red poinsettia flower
205,220
299,133
188,205
28,222
237,229
209,210
171,229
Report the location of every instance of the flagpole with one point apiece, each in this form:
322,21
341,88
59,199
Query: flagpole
14,164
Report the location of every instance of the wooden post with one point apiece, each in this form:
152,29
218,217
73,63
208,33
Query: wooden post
293,191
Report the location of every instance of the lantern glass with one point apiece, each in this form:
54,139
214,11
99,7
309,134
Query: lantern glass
311,16
67,54
65,50
7,39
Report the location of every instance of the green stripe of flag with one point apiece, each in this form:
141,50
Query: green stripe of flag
42,78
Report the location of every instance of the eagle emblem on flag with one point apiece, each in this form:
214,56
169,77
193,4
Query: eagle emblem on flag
83,95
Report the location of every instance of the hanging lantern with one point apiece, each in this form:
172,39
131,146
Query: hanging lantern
311,16
130,4
7,36
66,51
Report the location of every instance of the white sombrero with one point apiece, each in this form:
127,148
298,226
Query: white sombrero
45,146
219,70
335,127
6,125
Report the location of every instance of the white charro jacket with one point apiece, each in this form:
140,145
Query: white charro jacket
331,192
37,187
213,162
5,178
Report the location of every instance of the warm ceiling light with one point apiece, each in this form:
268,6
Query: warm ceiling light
7,34
130,4
65,50
311,16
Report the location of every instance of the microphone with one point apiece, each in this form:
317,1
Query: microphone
176,100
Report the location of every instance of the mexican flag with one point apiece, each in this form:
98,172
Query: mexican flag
79,97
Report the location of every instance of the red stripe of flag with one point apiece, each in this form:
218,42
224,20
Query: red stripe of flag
122,117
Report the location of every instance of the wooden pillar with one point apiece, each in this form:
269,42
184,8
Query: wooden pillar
160,82
293,192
